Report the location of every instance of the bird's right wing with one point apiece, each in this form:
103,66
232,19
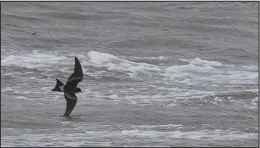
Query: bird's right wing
77,75
71,100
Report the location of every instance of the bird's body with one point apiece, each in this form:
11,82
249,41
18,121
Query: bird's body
70,88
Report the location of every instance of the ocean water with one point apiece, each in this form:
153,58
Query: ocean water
155,73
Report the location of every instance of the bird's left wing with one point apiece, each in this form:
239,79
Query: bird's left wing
77,75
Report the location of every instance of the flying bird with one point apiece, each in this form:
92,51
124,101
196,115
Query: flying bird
70,88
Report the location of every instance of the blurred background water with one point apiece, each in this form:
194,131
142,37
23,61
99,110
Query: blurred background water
155,73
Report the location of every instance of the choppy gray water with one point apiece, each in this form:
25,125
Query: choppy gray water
155,74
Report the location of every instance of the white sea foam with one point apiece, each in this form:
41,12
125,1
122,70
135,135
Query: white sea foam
92,138
196,135
210,72
202,63
255,101
209,75
8,89
253,104
196,71
149,58
33,60
166,126
112,62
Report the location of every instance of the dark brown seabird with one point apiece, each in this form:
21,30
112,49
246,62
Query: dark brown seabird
70,88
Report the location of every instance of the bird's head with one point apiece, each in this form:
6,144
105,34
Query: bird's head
78,90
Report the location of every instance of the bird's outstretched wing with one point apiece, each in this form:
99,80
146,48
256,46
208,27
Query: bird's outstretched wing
77,75
71,100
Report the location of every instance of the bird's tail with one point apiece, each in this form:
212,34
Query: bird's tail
58,86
